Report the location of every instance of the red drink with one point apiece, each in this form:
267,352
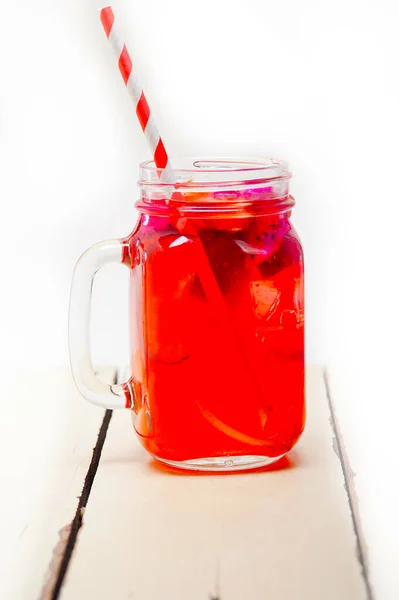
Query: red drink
217,322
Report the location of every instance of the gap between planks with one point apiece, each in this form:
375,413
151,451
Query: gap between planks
349,485
62,554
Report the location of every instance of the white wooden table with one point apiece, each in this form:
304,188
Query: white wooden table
140,531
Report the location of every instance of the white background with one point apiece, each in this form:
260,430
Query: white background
312,82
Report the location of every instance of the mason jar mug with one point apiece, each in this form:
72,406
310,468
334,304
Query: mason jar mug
216,315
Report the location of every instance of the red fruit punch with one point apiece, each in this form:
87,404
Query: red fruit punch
222,332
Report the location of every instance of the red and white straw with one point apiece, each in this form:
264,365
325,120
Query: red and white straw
134,89
161,160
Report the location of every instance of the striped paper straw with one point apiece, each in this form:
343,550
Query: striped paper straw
161,160
135,91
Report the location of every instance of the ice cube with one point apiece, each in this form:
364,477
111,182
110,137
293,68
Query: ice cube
265,299
170,306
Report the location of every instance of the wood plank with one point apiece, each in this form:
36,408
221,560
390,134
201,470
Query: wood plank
365,405
284,534
47,435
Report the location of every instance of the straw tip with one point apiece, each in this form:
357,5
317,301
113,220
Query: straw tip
106,11
107,18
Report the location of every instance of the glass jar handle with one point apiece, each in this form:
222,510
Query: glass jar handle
94,390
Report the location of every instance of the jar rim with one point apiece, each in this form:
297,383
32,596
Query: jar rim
202,172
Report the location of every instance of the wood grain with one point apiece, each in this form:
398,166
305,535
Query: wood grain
284,534
47,435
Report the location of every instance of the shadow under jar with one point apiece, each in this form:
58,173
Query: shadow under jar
216,316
